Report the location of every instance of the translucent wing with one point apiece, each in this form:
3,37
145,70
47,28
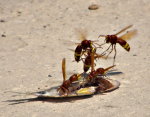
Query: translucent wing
71,49
82,34
101,56
64,69
128,35
118,32
124,29
108,68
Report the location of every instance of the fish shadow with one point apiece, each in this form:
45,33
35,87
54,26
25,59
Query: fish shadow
48,99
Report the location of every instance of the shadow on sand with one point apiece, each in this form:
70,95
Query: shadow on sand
52,100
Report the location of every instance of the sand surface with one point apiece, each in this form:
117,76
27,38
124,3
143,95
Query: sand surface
36,36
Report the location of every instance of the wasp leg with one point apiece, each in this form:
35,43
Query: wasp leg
82,59
106,50
100,89
99,46
102,44
110,51
66,91
115,54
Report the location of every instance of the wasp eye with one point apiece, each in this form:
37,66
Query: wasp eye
107,39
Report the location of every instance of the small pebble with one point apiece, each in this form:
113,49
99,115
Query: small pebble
93,7
116,17
2,20
49,75
19,13
44,26
3,35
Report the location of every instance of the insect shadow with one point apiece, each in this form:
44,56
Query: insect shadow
113,72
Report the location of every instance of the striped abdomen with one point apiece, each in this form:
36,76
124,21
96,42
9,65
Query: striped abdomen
124,44
87,63
78,53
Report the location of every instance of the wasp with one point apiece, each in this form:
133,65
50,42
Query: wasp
64,88
88,59
114,39
84,46
91,54
99,72
96,77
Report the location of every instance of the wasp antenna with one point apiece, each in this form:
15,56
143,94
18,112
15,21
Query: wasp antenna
101,36
64,69
77,43
70,50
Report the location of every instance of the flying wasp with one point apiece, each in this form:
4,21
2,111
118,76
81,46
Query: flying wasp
114,39
84,46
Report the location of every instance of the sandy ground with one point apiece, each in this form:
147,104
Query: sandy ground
34,39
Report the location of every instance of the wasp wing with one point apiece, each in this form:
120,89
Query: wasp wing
81,34
128,35
123,29
64,69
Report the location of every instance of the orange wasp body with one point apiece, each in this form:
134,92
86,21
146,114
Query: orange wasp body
84,46
114,39
64,88
96,77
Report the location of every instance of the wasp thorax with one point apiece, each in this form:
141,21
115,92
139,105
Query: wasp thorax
66,84
111,39
73,78
93,73
86,44
100,71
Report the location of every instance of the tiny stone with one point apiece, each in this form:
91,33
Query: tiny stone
49,75
93,7
134,55
116,17
2,20
3,35
44,26
19,12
